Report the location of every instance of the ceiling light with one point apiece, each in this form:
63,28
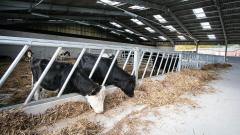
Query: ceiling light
150,29
211,36
206,25
137,21
138,7
199,12
171,28
116,24
160,18
129,31
143,38
110,2
182,38
163,38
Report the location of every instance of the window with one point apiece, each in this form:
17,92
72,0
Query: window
211,36
137,21
116,24
206,25
171,28
199,13
163,38
182,38
138,7
160,18
150,29
143,38
110,2
129,31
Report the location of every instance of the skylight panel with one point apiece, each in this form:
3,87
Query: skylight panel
115,33
129,31
199,12
150,29
129,39
163,38
116,24
206,25
182,38
143,38
136,7
110,2
171,28
137,21
211,36
160,18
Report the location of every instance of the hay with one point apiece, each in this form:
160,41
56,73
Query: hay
170,90
18,121
114,100
82,127
216,66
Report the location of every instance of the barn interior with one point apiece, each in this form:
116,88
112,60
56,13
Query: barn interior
173,48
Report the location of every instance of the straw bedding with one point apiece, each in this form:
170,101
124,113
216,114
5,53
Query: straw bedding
216,66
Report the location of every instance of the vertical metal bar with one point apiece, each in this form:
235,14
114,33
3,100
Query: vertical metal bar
175,62
43,75
163,56
150,56
135,64
171,63
110,68
165,65
179,62
139,64
13,65
154,64
125,64
71,72
95,65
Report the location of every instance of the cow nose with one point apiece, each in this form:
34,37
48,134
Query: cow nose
131,95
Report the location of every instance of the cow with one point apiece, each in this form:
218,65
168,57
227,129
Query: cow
78,83
117,77
63,54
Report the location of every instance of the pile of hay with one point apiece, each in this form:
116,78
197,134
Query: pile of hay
170,90
216,66
16,121
115,99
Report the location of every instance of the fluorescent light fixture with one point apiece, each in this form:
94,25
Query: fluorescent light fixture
143,38
116,24
129,39
110,2
206,25
129,31
137,21
150,29
171,28
136,7
199,12
182,38
211,36
163,38
160,18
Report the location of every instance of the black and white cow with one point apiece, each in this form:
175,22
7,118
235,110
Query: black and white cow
117,76
79,82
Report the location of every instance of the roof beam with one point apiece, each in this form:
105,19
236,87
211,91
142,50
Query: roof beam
158,31
20,5
221,20
159,7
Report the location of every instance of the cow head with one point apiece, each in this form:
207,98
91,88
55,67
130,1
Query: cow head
97,101
127,85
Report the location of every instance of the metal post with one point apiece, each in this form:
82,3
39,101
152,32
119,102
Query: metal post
225,54
165,64
198,61
135,64
13,65
139,64
125,64
150,56
179,62
71,72
175,62
163,56
110,68
170,63
154,64
95,65
43,75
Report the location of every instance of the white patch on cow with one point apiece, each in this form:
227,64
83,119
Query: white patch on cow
97,101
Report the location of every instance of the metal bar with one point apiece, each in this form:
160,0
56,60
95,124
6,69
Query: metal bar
170,63
154,64
95,65
13,65
147,65
175,62
110,68
163,56
43,75
125,64
165,64
71,72
139,64
135,64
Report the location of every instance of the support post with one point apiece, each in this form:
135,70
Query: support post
43,75
13,65
136,62
225,54
180,62
175,62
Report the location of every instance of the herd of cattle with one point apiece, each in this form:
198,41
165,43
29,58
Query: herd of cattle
80,82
